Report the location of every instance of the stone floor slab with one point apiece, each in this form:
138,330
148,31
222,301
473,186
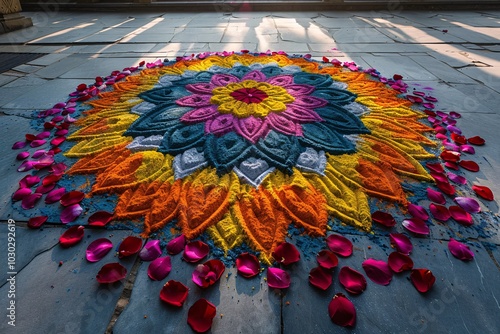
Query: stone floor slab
441,70
406,67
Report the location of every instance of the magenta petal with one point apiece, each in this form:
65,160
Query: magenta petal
73,197
435,196
43,189
100,218
399,262
248,265
342,312
353,281
57,141
29,181
456,178
468,149
417,211
339,245
36,222
55,195
468,204
327,259
422,279
150,251
129,246
26,166
286,253
378,271
454,114
441,177
174,293
21,194
159,268
277,278
460,250
383,218
97,249
195,251
70,213
72,236
439,212
416,225
22,155
208,273
111,272
43,135
320,278
19,144
401,242
176,245
58,169
29,201
460,215
37,142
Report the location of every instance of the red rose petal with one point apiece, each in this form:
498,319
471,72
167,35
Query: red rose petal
277,278
286,253
476,140
21,194
159,268
28,181
327,259
30,137
416,225
378,271
29,201
176,245
460,250
456,178
401,243
129,246
55,195
469,165
100,218
208,273
320,278
58,169
435,167
452,165
439,212
57,141
195,251
70,213
383,218
399,262
339,245
72,236
201,315
342,312
435,196
483,192
422,279
248,265
446,187
45,189
97,249
439,177
150,251
111,272
459,139
36,222
73,197
460,215
174,293
353,281
468,204
417,211
51,179
450,156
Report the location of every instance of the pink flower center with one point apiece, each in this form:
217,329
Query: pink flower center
249,95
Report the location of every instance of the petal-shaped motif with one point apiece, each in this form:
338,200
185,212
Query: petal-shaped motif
247,265
111,273
286,253
129,246
72,197
72,236
201,315
342,311
70,213
174,293
378,271
159,268
401,242
416,225
150,251
327,259
460,250
320,278
422,279
208,273
100,218
36,222
383,218
418,211
483,192
399,262
468,204
352,280
277,278
97,249
176,245
439,212
460,215
435,196
195,251
339,245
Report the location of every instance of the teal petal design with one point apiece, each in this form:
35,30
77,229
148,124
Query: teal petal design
181,138
157,121
316,80
320,137
341,120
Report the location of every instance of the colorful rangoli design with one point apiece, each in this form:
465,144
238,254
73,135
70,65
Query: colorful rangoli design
243,146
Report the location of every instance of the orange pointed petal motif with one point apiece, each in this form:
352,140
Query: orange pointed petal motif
163,208
96,163
134,203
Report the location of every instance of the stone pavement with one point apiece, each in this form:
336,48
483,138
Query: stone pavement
457,53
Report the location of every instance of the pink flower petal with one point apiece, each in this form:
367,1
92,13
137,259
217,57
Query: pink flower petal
435,196
416,225
468,204
174,293
277,278
201,315
72,236
467,149
26,166
208,273
73,197
100,218
29,181
22,155
286,253
383,218
43,135
43,189
97,249
439,177
455,114
399,262
19,144
320,278
460,215
57,141
456,178
339,245
327,259
460,250
248,265
417,211
70,213
58,169
36,222
150,251
378,271
353,281
159,268
129,246
111,272
55,195
21,194
401,243
422,279
29,201
483,192
37,142
439,212
195,251
342,312
176,245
